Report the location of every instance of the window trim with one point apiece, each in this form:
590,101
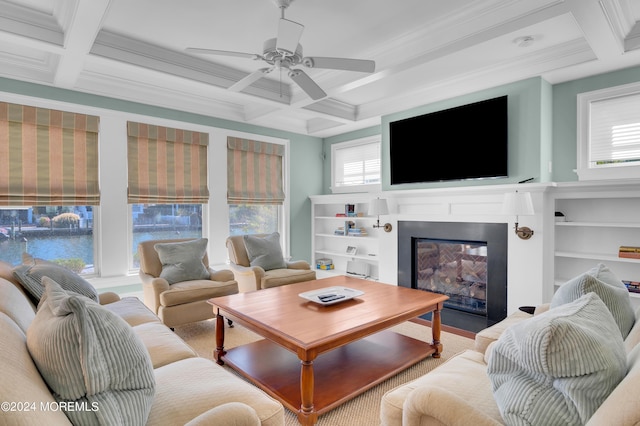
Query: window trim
374,187
584,171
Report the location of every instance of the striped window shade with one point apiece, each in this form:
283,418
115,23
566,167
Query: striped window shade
254,172
166,165
47,157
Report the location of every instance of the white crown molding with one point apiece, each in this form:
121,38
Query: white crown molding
30,23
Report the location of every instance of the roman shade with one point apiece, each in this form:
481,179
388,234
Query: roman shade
166,165
254,172
47,157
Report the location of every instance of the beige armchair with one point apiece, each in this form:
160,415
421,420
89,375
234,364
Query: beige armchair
255,277
181,302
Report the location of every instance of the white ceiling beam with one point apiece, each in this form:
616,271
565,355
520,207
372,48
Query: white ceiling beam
600,23
85,22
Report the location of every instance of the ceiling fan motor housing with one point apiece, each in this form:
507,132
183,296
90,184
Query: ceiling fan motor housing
273,56
283,4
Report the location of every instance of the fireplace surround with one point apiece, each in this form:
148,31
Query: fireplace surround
488,240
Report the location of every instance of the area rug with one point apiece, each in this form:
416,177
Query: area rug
364,409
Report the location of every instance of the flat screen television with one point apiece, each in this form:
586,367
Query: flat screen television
465,142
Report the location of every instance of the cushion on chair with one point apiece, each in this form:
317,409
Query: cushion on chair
558,367
265,252
30,277
92,358
182,261
608,287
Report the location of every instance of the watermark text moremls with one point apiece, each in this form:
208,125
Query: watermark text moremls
26,406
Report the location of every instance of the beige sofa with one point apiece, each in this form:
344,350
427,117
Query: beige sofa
459,392
189,389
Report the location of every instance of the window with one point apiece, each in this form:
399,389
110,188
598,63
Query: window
48,185
60,234
253,219
355,165
167,179
255,186
609,133
162,222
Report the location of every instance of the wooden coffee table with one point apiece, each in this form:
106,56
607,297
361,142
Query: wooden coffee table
316,357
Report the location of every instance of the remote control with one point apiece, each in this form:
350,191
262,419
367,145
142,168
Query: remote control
330,297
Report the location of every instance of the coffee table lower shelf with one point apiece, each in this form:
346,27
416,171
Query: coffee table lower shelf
339,375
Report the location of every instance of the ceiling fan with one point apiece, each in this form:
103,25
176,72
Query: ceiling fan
285,53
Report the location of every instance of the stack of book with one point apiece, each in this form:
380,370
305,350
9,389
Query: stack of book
324,263
629,252
351,232
357,232
632,286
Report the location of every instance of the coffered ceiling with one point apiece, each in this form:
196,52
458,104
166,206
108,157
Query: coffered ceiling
425,50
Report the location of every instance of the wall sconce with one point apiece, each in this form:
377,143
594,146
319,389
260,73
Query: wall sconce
519,204
376,208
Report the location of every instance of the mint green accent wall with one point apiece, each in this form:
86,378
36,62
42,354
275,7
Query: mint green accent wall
565,98
305,151
525,104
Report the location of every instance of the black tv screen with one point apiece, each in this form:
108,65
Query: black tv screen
465,142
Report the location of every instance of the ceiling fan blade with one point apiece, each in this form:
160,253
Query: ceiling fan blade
289,34
222,53
307,84
361,65
250,79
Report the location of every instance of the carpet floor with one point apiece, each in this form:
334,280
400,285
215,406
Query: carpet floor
362,410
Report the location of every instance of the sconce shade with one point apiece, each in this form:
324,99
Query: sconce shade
517,204
378,207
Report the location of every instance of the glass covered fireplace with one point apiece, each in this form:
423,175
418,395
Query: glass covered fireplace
457,269
467,261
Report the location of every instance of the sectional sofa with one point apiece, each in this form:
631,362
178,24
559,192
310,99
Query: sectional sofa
574,361
181,388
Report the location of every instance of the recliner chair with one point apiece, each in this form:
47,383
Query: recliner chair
182,302
251,278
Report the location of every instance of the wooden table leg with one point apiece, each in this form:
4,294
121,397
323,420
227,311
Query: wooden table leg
307,415
219,351
435,330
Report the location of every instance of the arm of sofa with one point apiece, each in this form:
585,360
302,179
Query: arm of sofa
490,334
298,264
229,414
433,403
108,297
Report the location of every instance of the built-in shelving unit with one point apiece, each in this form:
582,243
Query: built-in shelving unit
599,218
327,244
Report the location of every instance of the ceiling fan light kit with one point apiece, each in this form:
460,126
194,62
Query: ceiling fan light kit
285,52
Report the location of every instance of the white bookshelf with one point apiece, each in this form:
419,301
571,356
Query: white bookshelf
599,218
325,242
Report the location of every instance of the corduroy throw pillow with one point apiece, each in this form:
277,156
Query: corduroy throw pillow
95,365
556,368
